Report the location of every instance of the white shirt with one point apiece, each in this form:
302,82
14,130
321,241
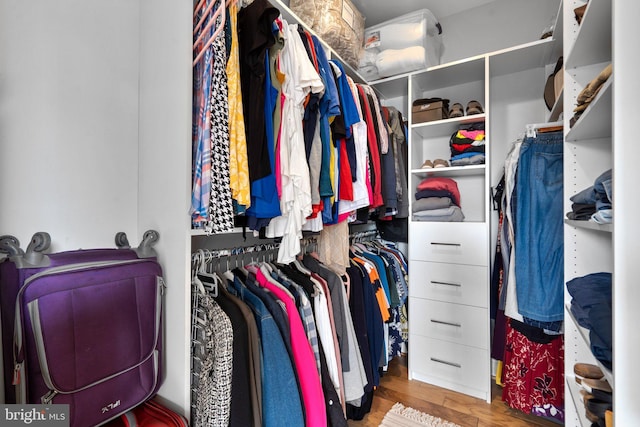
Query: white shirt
295,201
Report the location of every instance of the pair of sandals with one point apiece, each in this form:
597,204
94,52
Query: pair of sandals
437,163
473,107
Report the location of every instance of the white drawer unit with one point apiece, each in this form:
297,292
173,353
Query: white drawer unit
462,324
454,366
456,283
459,243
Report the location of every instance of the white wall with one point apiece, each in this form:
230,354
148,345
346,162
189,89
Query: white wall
69,120
497,25
165,173
95,122
626,245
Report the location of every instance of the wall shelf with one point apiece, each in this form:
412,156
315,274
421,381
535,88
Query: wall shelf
593,41
590,225
595,122
451,171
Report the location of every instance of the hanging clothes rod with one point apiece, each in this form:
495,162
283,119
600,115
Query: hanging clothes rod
208,254
361,236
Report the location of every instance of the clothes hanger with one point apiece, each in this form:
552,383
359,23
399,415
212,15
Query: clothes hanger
197,8
198,265
210,282
534,128
206,279
210,41
205,15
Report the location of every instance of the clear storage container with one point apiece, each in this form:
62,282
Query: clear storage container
407,43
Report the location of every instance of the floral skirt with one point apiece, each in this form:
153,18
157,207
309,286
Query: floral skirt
533,375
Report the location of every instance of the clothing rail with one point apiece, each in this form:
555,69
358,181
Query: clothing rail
363,236
309,244
205,259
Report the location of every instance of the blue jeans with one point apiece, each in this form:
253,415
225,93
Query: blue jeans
539,257
599,194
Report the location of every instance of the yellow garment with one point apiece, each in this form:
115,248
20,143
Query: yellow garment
499,374
238,161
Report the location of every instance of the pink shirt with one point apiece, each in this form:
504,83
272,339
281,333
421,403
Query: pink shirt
304,360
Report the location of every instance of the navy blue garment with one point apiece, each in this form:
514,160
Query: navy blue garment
591,289
274,308
591,305
374,323
358,315
600,335
532,333
549,327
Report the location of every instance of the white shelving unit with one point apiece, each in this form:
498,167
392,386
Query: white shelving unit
588,153
508,84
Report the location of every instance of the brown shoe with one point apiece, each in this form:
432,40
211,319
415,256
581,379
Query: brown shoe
474,107
456,110
440,163
587,370
428,164
590,384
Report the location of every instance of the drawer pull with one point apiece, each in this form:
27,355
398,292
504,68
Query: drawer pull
444,362
435,282
457,325
446,244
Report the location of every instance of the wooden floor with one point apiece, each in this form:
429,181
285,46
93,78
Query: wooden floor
455,407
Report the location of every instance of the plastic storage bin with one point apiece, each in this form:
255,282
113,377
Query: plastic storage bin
337,22
407,43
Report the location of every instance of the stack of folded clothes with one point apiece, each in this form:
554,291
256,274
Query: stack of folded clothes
594,202
468,145
437,199
591,306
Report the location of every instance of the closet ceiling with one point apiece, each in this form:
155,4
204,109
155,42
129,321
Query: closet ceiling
377,11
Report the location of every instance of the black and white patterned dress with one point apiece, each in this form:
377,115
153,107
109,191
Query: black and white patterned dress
212,391
221,204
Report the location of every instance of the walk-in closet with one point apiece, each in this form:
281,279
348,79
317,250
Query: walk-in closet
488,294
